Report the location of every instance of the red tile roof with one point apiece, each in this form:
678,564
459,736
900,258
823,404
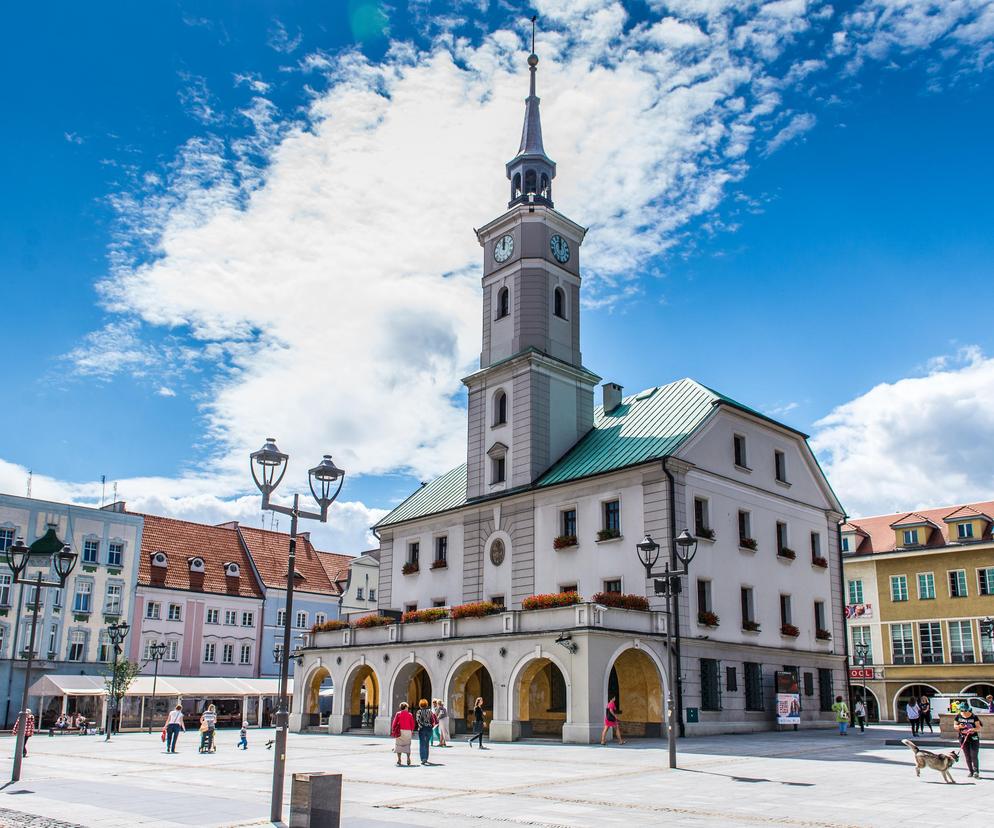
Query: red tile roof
880,534
181,540
269,550
336,566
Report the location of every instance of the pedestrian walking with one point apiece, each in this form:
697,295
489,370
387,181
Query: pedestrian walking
925,715
174,724
436,735
611,721
478,718
425,723
28,724
914,715
968,727
208,724
859,711
402,729
443,724
990,704
841,710
243,736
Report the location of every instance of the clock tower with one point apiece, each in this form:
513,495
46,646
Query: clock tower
532,399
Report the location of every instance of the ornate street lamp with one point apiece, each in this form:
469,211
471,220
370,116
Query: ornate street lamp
117,632
862,651
18,556
156,652
268,466
668,583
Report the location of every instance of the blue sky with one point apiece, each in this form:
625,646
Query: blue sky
226,219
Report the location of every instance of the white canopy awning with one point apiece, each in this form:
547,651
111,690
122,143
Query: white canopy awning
76,685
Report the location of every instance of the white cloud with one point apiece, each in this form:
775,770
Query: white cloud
73,138
921,441
796,126
281,40
165,391
197,99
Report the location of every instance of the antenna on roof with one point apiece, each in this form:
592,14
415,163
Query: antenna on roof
29,481
115,491
103,486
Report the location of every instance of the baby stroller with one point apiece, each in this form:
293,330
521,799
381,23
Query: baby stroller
207,740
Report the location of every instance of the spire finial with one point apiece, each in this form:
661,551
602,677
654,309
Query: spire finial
534,18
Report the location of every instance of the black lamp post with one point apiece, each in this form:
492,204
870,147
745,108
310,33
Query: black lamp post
117,633
18,556
668,583
862,651
156,653
271,464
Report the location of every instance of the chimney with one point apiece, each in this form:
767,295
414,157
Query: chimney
612,396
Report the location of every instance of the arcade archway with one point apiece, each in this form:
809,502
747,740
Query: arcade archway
361,698
318,696
411,684
540,699
634,680
869,700
470,681
905,694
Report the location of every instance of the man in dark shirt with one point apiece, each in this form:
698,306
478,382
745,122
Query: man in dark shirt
968,726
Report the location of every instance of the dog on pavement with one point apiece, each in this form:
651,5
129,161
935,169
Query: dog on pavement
941,762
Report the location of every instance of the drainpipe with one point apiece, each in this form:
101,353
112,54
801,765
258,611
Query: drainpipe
676,611
845,626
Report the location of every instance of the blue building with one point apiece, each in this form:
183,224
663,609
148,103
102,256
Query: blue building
316,593
71,632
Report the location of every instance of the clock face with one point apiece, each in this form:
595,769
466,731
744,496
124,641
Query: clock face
503,248
560,249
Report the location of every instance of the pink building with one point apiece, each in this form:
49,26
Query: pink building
197,592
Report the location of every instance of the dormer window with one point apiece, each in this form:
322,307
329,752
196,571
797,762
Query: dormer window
559,303
500,408
964,531
160,559
232,570
196,564
503,303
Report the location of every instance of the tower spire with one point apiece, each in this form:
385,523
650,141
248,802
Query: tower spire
531,171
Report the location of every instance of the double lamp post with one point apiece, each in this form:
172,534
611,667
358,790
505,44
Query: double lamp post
268,466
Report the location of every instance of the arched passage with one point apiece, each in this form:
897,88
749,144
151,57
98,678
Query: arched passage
905,694
635,681
410,684
869,700
469,681
317,697
979,689
361,698
540,699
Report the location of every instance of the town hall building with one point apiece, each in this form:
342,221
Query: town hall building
553,497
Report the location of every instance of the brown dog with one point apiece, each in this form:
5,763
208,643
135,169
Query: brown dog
941,762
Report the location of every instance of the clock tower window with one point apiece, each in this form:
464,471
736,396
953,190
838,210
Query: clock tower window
503,303
559,303
500,408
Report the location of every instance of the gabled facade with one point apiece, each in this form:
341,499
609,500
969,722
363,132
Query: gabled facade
359,584
553,497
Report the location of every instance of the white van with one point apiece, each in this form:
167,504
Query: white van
943,703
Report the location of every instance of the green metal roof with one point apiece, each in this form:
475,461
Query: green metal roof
646,426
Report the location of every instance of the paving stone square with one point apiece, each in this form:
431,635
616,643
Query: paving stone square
807,778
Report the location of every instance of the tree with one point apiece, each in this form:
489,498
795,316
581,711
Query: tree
127,672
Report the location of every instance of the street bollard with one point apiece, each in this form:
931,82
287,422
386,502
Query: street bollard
316,800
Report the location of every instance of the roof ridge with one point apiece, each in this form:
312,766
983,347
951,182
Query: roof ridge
146,516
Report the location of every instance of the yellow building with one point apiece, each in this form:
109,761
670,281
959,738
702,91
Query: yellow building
918,587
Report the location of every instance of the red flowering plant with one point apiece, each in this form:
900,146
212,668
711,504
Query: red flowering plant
616,599
476,609
823,635
550,600
748,543
439,563
421,616
787,552
330,626
818,560
410,568
372,621
750,626
564,541
608,534
789,629
708,618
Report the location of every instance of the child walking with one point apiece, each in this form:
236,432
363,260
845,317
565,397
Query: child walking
243,734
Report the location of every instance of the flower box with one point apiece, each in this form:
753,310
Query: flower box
608,534
750,626
616,599
823,635
113,570
89,569
564,542
790,630
372,621
705,533
410,568
330,626
476,609
818,560
81,616
439,564
424,615
786,552
550,600
708,619
748,543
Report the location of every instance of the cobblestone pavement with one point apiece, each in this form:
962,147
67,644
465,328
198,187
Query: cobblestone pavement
807,779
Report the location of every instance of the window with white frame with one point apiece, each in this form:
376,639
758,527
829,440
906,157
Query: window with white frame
856,591
986,648
301,620
961,642
704,596
500,408
783,542
985,581
612,517
957,583
112,600
372,594
245,657
498,469
6,538
91,551
281,618
910,537
230,618
172,650
926,586
228,654
739,451
82,600
786,615
902,643
861,635
702,522
898,587
930,637
56,596
414,553
248,619
442,549
780,465
748,606
210,652
213,616
845,543
613,585
175,612
820,621
32,597
745,526
77,645
152,610
358,593
115,554
105,650
5,581
964,531
320,617
53,641
147,646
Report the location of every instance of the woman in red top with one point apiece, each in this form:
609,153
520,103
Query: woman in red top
401,729
29,728
611,721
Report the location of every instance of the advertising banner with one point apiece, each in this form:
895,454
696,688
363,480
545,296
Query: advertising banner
788,698
854,611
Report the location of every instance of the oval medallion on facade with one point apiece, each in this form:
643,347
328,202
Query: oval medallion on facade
497,552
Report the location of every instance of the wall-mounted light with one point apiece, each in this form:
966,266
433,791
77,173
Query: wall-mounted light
566,640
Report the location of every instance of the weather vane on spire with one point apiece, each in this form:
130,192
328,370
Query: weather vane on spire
534,18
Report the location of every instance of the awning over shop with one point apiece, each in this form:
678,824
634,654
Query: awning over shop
194,686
